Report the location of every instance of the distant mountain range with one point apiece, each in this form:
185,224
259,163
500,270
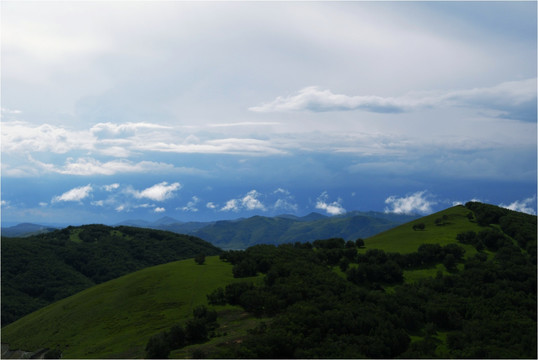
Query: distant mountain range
244,232
26,229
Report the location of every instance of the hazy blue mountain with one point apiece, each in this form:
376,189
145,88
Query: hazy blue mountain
25,229
244,232
285,229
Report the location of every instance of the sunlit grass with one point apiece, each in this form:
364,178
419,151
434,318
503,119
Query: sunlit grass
118,317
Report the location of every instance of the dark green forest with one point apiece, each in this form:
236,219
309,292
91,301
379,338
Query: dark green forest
42,269
327,300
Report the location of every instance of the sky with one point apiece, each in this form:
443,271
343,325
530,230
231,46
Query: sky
218,110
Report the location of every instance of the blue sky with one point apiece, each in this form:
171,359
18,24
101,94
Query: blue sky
220,110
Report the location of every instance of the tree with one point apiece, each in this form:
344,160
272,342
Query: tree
419,226
176,337
359,242
196,330
450,262
200,259
158,347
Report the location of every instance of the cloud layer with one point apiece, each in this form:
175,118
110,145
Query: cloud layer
515,99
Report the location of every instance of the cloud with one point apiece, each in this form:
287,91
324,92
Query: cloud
248,202
191,205
76,194
515,99
244,123
312,98
333,208
91,166
108,129
527,205
243,146
283,204
8,112
231,205
211,205
417,202
18,136
287,202
111,187
159,210
157,192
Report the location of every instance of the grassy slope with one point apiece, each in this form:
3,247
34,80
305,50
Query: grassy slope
404,239
116,318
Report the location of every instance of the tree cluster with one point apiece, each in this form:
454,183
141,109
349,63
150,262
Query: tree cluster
198,329
485,310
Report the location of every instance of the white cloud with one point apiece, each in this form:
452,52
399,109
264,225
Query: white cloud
43,204
244,146
120,208
287,202
91,166
108,129
507,97
191,205
98,203
157,192
5,203
159,209
76,194
111,187
281,191
231,205
245,123
18,136
248,202
211,205
526,205
5,111
283,204
417,202
332,208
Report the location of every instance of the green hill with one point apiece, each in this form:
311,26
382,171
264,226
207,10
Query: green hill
404,239
116,318
41,269
411,292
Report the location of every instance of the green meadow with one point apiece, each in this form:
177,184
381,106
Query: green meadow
118,317
404,239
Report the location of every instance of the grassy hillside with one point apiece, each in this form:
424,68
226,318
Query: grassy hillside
80,257
116,318
404,239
